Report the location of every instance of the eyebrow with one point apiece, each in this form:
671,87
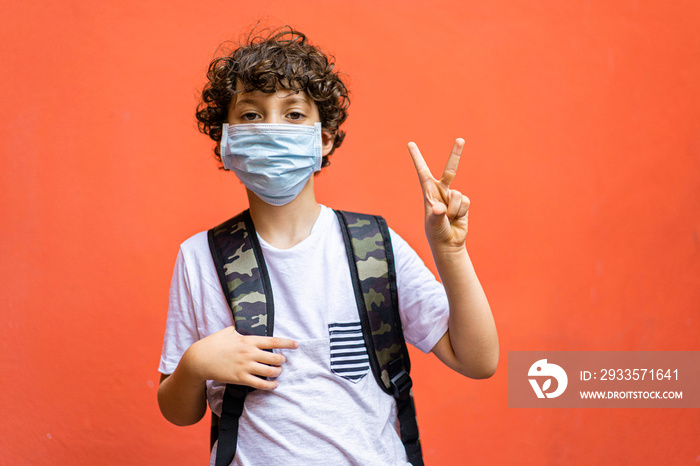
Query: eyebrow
245,100
293,98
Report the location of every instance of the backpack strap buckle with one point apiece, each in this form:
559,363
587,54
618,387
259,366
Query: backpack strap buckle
401,383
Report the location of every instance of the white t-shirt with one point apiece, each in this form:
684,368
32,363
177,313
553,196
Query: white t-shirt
316,415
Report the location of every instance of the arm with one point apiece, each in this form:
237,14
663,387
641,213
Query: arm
226,356
470,346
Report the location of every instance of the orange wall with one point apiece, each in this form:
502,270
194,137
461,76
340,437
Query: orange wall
582,122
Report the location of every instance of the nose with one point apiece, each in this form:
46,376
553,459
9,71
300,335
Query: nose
273,118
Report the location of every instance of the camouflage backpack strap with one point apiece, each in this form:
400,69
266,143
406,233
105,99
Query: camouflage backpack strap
243,275
371,261
245,282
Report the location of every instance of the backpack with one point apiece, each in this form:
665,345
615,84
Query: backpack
245,281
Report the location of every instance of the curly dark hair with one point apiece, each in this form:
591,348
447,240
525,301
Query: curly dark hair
279,59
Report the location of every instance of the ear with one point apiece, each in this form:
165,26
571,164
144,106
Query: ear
327,139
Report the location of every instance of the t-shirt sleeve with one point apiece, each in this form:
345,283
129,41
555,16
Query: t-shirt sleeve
422,300
180,327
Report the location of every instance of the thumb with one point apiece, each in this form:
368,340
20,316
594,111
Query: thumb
436,216
438,209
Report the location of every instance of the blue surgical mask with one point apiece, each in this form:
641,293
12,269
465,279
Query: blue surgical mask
273,160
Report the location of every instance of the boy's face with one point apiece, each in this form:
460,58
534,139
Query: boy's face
284,106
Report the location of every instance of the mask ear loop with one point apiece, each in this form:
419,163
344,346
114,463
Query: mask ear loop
318,145
224,138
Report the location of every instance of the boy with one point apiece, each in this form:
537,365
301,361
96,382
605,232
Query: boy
276,105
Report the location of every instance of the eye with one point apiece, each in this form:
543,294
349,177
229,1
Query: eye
249,116
296,116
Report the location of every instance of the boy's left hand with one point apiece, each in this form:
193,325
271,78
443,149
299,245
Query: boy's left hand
446,210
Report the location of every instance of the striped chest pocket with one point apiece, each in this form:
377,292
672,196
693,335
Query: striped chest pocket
348,353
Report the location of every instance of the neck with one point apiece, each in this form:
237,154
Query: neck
287,225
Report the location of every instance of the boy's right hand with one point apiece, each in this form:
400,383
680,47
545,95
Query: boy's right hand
229,357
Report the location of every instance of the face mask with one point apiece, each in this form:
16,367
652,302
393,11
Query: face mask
273,160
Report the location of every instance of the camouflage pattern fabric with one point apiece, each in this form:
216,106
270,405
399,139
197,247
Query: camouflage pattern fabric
234,252
374,264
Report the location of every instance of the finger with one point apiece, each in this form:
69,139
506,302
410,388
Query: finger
464,207
271,359
455,202
451,168
258,383
422,169
263,370
438,209
274,343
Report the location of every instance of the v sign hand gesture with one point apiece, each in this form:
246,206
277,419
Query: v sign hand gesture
446,210
470,346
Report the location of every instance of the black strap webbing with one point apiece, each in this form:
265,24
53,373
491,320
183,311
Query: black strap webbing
231,411
409,428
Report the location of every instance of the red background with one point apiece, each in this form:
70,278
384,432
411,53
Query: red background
582,122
